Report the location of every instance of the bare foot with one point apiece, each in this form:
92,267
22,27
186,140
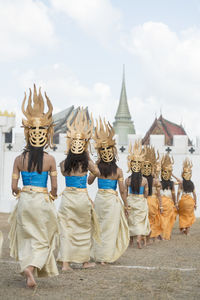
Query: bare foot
30,281
139,244
66,267
88,265
103,263
131,242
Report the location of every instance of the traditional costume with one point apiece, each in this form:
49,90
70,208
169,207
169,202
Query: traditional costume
33,222
138,214
108,206
77,219
187,202
167,192
154,199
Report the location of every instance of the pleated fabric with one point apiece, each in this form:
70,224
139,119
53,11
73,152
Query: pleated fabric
138,220
1,243
186,211
113,226
154,216
168,217
34,232
78,225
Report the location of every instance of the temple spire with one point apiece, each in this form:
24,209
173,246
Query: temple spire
123,124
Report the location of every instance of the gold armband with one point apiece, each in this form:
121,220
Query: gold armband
90,173
15,176
52,197
53,173
127,207
121,179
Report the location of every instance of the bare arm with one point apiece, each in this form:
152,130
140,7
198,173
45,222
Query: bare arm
122,189
146,188
195,198
174,197
91,178
158,186
179,192
53,176
126,187
93,168
15,177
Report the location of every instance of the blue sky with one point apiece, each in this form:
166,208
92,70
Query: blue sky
75,50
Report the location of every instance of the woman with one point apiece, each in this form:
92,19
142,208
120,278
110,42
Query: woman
34,222
168,197
109,209
137,191
149,171
77,219
188,200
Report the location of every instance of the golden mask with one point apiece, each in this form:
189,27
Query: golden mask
187,169
150,162
135,157
166,167
79,131
104,142
38,127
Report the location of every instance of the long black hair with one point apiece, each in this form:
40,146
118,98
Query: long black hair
188,186
74,161
136,180
35,158
150,183
107,168
167,184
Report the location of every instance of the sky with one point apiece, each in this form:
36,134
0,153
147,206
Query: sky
75,50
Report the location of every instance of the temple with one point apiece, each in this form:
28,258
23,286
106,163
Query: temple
123,125
166,128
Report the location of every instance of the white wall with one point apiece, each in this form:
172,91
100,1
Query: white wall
7,201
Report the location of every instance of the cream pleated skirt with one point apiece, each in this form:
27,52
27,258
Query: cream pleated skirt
113,226
138,220
78,225
33,233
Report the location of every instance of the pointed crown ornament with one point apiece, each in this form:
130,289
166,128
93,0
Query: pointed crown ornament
136,156
166,167
104,141
79,131
150,161
187,169
38,128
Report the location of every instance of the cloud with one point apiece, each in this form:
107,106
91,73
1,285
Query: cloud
170,66
65,89
97,18
25,27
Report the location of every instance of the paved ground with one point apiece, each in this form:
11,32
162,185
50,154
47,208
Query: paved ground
173,273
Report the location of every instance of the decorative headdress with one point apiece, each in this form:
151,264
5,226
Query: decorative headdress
150,161
187,169
79,131
166,167
104,142
38,128
136,156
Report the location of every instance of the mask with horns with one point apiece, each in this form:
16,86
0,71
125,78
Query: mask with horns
136,156
187,169
166,167
38,127
104,142
79,131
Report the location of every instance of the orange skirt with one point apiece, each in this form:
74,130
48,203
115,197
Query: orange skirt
154,216
186,211
168,217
